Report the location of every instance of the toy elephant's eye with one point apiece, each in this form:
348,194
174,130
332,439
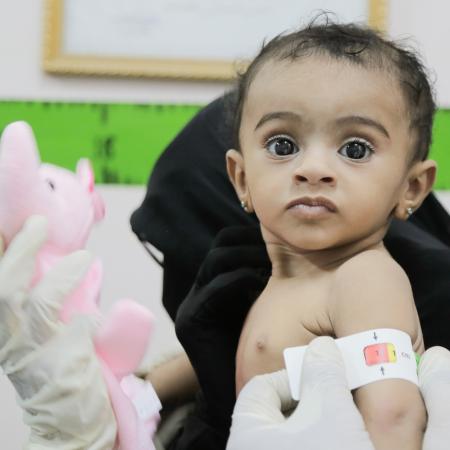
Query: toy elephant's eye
51,184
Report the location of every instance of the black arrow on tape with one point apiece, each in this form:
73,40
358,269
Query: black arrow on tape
382,370
375,335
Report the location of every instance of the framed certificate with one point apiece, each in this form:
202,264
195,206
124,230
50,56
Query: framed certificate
185,39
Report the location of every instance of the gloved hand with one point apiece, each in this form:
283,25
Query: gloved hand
210,319
325,418
434,381
52,366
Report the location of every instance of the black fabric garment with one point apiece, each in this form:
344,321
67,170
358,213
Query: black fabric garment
426,261
189,200
210,320
432,218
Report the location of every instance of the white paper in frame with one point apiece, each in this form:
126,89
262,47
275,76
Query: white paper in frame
178,39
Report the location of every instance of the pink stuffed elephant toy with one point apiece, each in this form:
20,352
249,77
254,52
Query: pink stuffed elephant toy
72,206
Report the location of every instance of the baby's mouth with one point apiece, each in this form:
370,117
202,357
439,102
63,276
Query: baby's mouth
313,205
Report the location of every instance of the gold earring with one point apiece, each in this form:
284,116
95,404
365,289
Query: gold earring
409,212
244,206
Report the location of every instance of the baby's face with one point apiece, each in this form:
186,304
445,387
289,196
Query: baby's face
325,146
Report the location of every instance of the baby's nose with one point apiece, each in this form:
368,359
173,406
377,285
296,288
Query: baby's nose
314,168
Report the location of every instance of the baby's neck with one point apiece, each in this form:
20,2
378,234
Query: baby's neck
297,263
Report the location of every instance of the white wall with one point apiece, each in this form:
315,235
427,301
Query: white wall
426,22
21,27
129,271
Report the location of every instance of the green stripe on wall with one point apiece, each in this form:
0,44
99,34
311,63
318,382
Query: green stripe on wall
124,140
440,149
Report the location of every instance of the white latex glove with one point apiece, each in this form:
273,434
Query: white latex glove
434,381
326,418
52,366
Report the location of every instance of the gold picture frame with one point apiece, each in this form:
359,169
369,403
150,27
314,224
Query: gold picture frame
57,60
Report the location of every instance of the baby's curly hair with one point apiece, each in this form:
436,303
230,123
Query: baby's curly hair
359,45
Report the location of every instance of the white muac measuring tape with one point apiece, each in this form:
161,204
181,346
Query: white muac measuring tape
368,356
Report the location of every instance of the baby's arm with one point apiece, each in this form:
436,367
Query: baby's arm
372,291
174,380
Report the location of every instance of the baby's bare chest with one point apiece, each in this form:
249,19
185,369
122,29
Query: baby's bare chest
280,318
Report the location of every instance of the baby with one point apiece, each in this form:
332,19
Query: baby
333,126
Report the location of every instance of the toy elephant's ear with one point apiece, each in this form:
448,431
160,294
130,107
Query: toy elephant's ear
20,184
18,151
86,175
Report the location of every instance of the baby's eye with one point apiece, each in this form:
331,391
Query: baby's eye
356,149
281,146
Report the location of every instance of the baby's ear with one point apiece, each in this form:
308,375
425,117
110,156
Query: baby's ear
236,173
86,175
419,184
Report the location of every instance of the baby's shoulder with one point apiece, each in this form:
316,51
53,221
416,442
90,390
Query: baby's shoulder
369,291
371,268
